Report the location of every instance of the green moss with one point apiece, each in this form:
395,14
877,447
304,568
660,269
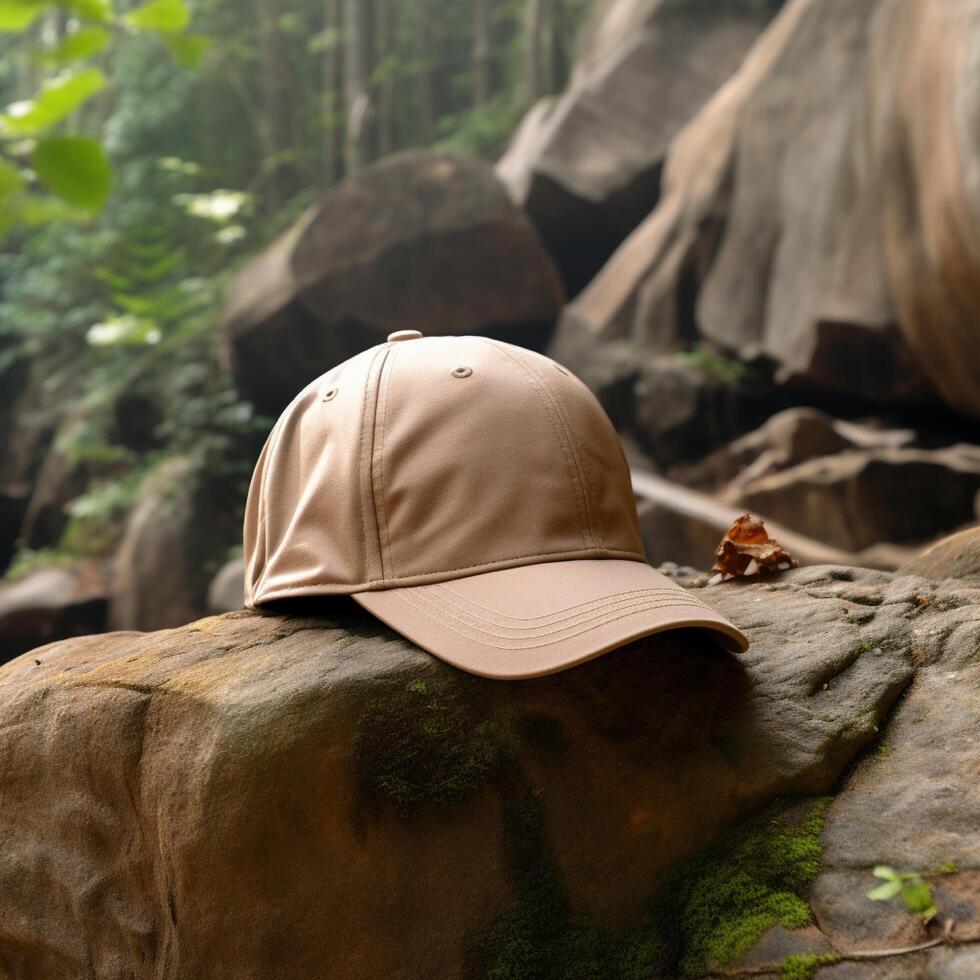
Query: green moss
804,966
417,746
723,901
706,913
948,868
713,363
537,937
26,562
420,746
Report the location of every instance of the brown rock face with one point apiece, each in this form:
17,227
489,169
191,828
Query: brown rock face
820,211
234,798
421,240
586,166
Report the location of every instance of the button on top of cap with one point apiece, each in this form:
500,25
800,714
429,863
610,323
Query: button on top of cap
404,335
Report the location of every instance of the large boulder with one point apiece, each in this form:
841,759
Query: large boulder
29,415
785,439
227,589
820,213
50,604
181,528
304,793
859,497
586,166
957,556
421,240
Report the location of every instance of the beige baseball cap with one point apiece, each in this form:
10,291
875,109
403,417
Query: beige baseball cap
471,494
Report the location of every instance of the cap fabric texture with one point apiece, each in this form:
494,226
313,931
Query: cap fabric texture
471,494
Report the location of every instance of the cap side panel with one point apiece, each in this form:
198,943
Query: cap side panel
608,484
313,517
567,431
561,430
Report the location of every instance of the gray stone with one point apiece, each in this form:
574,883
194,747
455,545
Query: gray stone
857,498
47,605
586,165
227,588
957,556
783,232
182,525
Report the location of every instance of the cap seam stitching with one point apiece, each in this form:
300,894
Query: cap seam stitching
531,646
580,606
563,440
613,610
384,536
364,416
585,616
570,436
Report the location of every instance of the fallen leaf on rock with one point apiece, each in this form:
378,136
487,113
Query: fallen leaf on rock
747,549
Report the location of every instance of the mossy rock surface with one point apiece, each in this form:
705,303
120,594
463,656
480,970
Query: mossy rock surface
304,793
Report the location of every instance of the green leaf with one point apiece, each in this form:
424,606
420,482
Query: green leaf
917,896
885,892
17,15
166,16
33,209
75,168
84,43
11,181
100,11
187,49
59,98
883,871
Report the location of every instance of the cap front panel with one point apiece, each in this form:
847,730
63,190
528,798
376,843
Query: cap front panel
471,467
308,497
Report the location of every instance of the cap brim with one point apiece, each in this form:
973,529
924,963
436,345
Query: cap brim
537,619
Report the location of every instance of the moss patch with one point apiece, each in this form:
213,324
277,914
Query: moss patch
537,937
804,966
720,903
705,914
418,746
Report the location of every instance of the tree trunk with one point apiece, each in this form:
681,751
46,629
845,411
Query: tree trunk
423,55
533,22
333,92
384,19
357,82
280,149
481,52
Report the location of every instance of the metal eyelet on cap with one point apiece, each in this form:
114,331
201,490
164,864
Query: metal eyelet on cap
330,394
461,372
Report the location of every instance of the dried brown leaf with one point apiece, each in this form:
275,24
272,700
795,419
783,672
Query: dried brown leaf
747,549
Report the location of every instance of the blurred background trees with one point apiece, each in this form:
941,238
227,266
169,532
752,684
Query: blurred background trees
147,149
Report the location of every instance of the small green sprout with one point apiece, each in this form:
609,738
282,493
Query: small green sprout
909,886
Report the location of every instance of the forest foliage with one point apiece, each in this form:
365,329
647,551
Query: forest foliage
148,148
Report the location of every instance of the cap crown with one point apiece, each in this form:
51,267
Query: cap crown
430,459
